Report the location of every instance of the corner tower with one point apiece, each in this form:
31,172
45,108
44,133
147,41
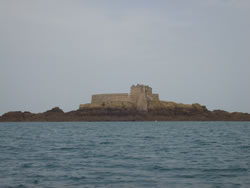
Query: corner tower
141,95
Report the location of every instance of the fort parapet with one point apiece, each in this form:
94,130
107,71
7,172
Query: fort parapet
139,97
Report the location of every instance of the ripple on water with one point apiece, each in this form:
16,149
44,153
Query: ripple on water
129,154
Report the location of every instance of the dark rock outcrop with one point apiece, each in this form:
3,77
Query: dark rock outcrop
55,110
168,111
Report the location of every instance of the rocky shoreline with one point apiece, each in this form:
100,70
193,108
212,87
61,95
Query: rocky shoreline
175,113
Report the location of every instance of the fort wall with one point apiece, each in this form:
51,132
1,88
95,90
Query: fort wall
155,97
104,98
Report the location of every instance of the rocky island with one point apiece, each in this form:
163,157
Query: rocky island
139,105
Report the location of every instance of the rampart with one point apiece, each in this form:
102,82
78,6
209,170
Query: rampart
155,97
104,98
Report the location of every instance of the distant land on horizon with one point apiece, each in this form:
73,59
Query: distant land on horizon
139,105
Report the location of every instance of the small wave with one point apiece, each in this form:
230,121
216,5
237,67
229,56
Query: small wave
106,143
160,168
227,175
19,186
77,178
201,142
244,147
68,148
185,176
149,137
226,170
27,165
161,150
51,165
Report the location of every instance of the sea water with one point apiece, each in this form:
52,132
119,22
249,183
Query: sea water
125,154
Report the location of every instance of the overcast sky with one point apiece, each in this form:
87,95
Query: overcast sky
59,53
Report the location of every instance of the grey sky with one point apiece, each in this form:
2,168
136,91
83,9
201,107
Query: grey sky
58,53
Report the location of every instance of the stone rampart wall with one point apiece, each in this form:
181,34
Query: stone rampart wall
102,98
155,97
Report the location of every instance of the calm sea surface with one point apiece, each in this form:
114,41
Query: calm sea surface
125,154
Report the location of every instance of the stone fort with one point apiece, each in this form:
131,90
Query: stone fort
139,97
